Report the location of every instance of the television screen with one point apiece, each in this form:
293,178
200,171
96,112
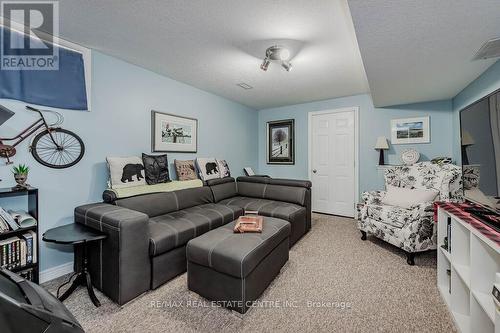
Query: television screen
480,142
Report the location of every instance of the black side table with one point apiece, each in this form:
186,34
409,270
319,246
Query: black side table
79,236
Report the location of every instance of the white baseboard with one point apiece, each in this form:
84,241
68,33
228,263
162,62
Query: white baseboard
55,272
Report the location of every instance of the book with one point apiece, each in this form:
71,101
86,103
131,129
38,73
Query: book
28,238
22,218
249,223
8,257
3,225
9,219
34,245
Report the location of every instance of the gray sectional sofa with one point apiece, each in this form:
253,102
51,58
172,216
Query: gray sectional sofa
147,234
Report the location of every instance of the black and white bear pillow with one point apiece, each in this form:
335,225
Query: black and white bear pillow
223,169
126,171
208,168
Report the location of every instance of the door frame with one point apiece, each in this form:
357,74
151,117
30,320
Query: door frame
355,110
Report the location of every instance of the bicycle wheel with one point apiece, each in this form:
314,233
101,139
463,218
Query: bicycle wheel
68,151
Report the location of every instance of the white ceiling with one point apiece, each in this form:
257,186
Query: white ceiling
422,50
213,45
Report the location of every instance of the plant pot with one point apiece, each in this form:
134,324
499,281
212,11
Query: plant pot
21,179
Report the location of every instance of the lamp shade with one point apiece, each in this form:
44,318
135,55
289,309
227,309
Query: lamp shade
467,139
5,114
382,143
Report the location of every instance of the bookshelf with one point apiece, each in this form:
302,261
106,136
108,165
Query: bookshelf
31,194
466,274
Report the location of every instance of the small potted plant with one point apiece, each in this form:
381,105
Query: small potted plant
21,175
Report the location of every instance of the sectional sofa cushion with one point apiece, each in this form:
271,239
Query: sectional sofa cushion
155,204
175,229
293,213
279,209
222,188
268,188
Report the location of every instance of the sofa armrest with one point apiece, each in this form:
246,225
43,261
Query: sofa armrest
120,264
373,197
420,232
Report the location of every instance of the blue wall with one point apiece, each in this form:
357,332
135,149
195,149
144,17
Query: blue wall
484,85
373,122
123,96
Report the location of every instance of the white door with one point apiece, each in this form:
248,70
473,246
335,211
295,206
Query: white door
332,163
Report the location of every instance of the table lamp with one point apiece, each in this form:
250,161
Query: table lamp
467,141
381,145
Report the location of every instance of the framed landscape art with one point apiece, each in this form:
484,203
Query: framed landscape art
172,133
410,131
281,142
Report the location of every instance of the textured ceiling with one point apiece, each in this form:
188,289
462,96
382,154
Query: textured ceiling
416,51
213,45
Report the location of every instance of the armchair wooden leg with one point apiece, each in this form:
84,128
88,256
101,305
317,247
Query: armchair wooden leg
363,235
410,258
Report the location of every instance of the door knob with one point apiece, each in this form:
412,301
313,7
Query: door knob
314,170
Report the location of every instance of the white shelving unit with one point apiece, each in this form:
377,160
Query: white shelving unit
466,275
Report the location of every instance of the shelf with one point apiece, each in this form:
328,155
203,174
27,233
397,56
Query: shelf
462,321
19,269
8,192
30,198
463,272
446,253
486,302
11,233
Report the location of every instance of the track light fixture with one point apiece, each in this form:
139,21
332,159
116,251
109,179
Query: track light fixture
287,65
277,53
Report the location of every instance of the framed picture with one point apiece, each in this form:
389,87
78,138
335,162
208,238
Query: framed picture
172,133
281,142
410,130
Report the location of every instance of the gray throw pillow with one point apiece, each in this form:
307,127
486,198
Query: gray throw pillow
156,168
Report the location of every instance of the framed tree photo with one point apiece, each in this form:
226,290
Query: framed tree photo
172,133
281,142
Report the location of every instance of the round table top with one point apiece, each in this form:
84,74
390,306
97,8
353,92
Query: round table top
73,233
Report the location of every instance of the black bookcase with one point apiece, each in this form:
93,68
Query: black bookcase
32,194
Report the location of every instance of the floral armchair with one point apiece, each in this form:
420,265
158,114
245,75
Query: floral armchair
411,229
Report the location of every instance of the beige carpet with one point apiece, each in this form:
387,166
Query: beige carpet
333,282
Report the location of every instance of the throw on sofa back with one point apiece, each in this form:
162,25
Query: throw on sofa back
274,189
447,179
155,204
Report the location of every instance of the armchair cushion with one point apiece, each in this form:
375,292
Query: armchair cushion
406,198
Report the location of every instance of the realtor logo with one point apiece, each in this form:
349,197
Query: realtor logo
29,31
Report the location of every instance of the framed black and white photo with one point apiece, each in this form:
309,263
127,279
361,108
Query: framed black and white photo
281,142
172,133
410,130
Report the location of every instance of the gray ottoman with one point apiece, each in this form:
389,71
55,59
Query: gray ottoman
234,269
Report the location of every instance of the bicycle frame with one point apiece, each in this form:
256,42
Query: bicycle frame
40,123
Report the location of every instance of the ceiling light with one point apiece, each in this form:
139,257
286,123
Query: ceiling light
287,65
244,85
265,64
277,53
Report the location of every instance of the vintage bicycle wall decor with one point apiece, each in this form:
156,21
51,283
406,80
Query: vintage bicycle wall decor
53,146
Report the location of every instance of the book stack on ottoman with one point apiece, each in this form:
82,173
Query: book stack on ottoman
235,268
